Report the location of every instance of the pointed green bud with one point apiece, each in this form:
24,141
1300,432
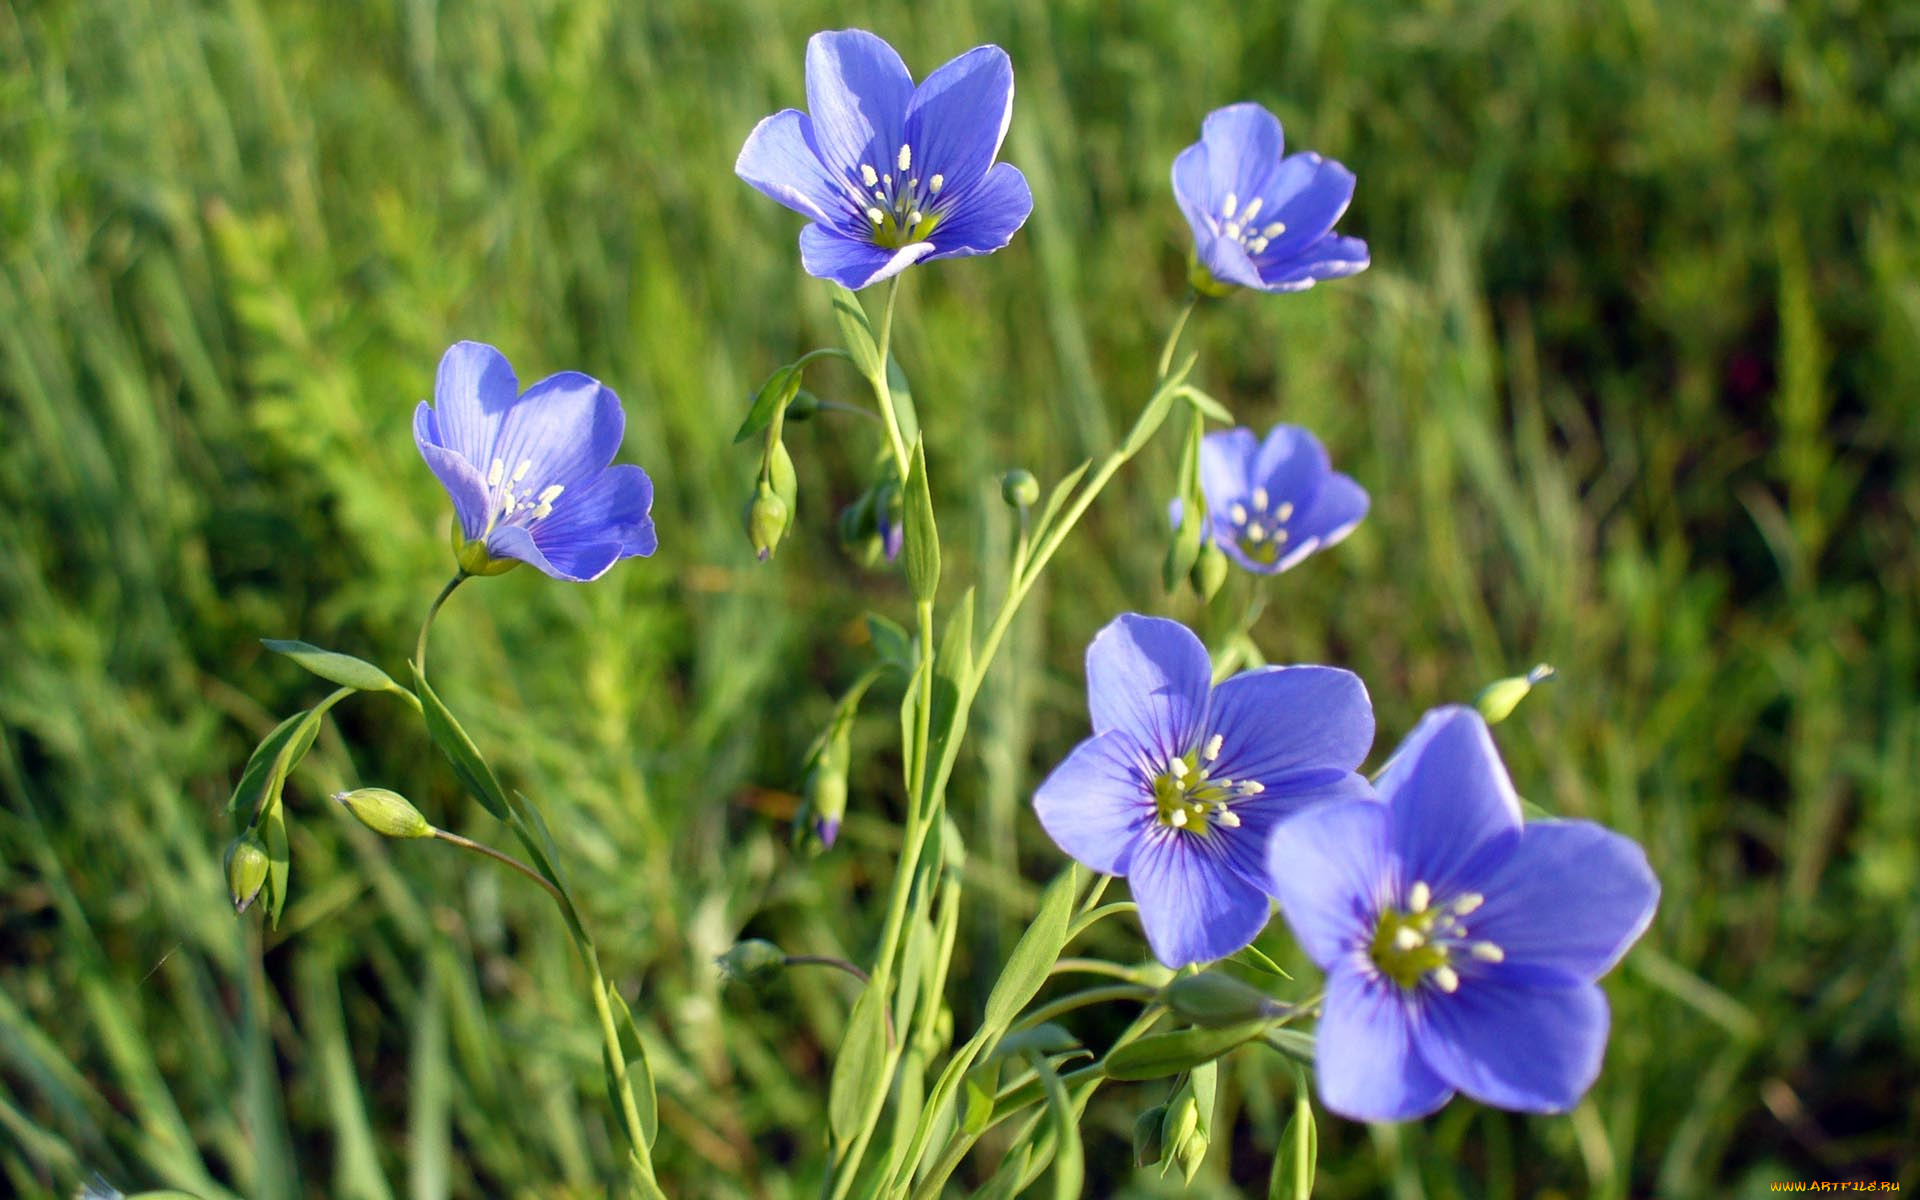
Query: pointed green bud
386,813
780,473
1498,699
1019,488
246,869
1209,570
803,406
1190,1153
752,961
1213,1000
1148,1148
767,518
1178,1127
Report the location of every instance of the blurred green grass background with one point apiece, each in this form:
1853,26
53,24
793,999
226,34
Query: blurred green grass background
1633,382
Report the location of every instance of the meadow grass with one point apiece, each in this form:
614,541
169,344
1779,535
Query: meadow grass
1632,381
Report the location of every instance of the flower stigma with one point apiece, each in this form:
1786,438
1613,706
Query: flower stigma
1422,941
1187,797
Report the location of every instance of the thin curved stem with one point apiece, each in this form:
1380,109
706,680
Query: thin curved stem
508,860
883,388
433,610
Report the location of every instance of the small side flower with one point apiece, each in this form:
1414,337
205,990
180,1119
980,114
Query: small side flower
1460,946
1182,783
530,473
1272,503
1260,219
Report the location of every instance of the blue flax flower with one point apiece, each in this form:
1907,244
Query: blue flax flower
1260,220
1272,503
529,474
1460,947
1182,783
891,174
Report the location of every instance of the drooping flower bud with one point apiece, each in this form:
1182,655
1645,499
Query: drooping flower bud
1214,1000
246,869
1498,699
1209,571
767,517
1019,488
1184,1133
803,406
1148,1147
386,813
751,961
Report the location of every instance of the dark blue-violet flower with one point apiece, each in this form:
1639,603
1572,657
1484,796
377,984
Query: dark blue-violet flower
891,174
1261,220
1460,947
529,474
1182,783
1272,503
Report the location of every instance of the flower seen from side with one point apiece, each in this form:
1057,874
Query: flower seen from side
1182,783
1272,503
530,473
1460,946
1261,220
888,173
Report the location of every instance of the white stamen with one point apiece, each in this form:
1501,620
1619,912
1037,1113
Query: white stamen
1407,938
1253,787
1226,210
520,472
1285,511
868,175
1279,537
886,181
495,472
1253,210
542,511
1446,979
1228,818
906,157
1256,245
1274,230
1177,768
914,217
879,195
1418,897
552,493
1256,532
1213,747
936,183
1260,498
1233,230
876,216
1467,903
1239,514
913,185
1488,952
1177,818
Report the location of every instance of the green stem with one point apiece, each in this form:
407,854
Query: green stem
508,860
433,610
1077,1000
883,390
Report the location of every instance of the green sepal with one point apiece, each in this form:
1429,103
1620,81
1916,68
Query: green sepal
774,395
1159,1055
923,539
1298,1155
471,769
255,778
333,666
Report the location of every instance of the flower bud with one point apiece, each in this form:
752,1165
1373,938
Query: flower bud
386,813
1498,699
1148,1146
1019,488
246,869
1182,1133
803,406
1209,570
767,517
1213,1000
751,961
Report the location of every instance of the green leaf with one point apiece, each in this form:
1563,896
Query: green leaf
1206,405
1069,1158
1150,420
334,667
472,770
923,540
1035,953
1534,812
1251,956
859,1070
952,672
892,643
639,1071
775,394
1159,1055
981,1083
1299,1151
1293,1044
1047,1038
1006,1181
903,407
1057,499
244,804
856,332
